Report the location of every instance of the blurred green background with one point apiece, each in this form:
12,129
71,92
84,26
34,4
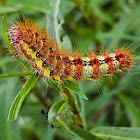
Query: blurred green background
90,24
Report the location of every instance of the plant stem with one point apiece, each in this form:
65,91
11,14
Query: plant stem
16,74
71,103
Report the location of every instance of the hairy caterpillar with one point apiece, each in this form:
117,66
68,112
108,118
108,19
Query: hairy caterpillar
36,46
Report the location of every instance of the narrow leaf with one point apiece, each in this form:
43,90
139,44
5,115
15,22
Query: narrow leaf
52,20
117,133
16,105
83,134
72,86
52,84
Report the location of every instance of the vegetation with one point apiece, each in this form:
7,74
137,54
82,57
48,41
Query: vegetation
106,109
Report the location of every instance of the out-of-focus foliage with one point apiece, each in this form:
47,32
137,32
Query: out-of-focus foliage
90,24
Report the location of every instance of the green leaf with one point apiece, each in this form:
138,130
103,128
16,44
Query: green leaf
65,40
53,84
67,43
83,134
54,25
60,116
52,20
16,105
117,133
73,87
15,74
56,109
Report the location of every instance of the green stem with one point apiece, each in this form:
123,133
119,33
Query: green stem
16,74
71,103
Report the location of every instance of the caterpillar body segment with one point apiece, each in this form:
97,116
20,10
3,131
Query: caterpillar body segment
46,58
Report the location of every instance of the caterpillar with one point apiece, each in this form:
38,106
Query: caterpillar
45,56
